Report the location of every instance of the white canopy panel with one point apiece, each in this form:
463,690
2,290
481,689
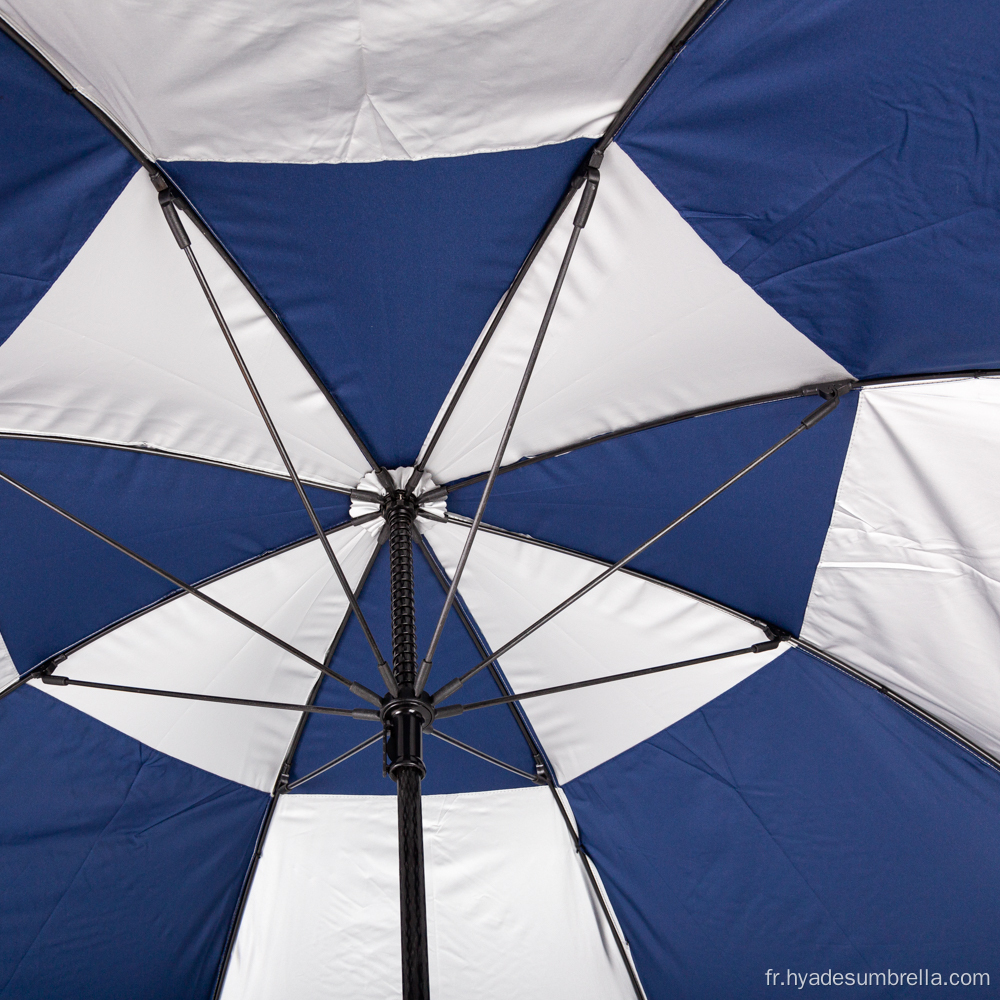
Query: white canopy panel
8,672
323,82
908,586
185,645
509,910
625,623
649,323
124,349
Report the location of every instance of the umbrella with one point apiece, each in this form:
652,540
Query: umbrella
498,500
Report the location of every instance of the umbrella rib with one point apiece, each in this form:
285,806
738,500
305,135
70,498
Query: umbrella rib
533,778
775,397
586,861
28,675
580,220
759,647
693,23
921,713
358,689
165,453
184,242
237,918
113,126
807,422
322,769
364,714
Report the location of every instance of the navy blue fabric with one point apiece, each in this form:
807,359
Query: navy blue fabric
843,157
754,548
193,520
384,273
119,866
60,171
800,821
449,769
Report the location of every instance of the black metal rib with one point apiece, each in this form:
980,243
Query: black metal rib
904,702
928,377
541,766
241,902
581,217
177,226
358,689
809,421
280,782
595,886
693,23
323,768
365,714
759,647
28,675
587,199
774,397
444,737
163,453
98,112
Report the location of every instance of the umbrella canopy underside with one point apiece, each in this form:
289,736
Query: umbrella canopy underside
723,277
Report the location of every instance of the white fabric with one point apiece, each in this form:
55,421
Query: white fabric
185,645
908,586
509,911
323,81
625,623
124,348
649,323
8,672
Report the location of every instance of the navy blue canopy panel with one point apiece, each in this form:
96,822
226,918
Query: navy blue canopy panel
121,865
410,258
800,822
193,520
841,157
755,548
787,279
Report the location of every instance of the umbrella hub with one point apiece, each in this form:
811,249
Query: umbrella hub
371,497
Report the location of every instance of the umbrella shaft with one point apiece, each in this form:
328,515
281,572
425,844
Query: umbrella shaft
404,717
412,901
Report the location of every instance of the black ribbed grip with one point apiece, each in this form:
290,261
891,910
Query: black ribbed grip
399,515
412,902
404,718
